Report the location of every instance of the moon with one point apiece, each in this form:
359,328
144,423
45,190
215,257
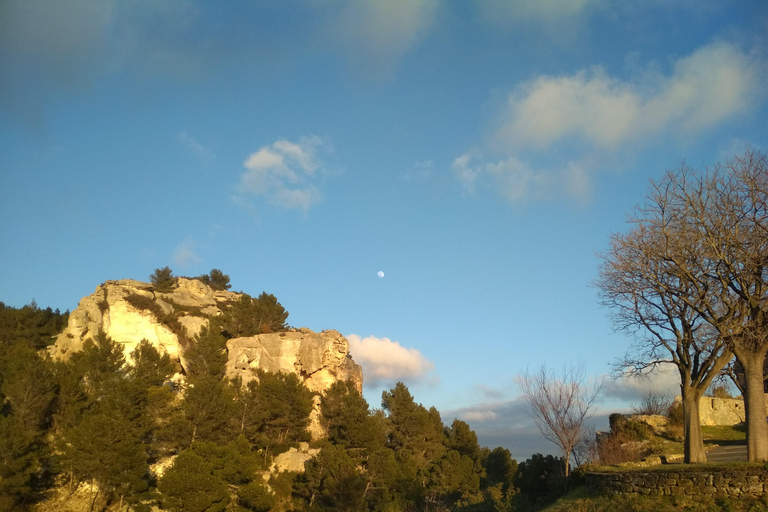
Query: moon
380,273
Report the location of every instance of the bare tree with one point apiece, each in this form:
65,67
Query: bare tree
560,404
692,274
649,300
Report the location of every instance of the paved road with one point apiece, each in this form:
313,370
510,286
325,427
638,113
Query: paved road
731,453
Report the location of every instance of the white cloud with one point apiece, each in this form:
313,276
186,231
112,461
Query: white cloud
386,361
285,172
601,116
713,84
478,415
185,256
631,389
375,35
197,148
517,181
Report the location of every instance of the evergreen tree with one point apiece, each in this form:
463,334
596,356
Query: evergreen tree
346,418
19,461
216,279
332,482
208,407
206,357
417,433
274,410
101,362
148,366
256,497
163,279
248,316
500,468
234,462
190,486
107,451
27,385
31,326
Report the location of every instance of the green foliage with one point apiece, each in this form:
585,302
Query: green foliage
95,418
256,497
541,478
235,462
27,385
101,362
31,326
190,486
454,475
500,468
206,356
19,456
347,419
274,411
208,408
248,316
416,434
107,450
163,279
148,366
332,482
216,279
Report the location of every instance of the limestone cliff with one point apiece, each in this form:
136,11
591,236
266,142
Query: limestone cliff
128,311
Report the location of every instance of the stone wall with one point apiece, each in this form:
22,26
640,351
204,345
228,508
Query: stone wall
721,411
741,481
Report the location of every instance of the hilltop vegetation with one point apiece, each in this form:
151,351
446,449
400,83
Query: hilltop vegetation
99,422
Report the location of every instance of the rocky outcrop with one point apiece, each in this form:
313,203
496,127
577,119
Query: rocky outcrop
128,311
319,359
292,460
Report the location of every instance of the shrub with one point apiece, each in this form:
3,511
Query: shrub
675,413
720,392
216,279
653,403
617,448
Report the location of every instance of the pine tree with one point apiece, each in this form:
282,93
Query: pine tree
148,366
19,456
206,357
163,279
190,486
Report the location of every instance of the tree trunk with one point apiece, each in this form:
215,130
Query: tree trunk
754,406
693,447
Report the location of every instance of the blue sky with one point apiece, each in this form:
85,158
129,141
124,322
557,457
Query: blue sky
478,153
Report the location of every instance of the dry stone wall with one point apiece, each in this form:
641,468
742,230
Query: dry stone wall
741,481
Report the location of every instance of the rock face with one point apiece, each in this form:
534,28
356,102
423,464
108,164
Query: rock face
110,310
128,311
320,359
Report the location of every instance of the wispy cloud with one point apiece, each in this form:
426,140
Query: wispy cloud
197,148
285,173
632,389
600,116
385,361
184,255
